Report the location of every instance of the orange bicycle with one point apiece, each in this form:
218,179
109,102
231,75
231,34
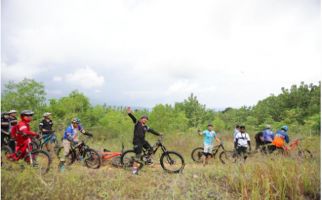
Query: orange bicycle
294,146
114,156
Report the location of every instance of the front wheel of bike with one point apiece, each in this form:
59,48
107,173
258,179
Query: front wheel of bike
40,160
172,162
306,154
128,158
92,159
227,157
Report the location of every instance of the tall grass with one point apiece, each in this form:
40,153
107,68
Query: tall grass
260,177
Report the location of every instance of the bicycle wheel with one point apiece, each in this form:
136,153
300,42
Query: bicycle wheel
227,157
196,154
40,160
92,159
306,154
116,161
128,158
69,159
172,162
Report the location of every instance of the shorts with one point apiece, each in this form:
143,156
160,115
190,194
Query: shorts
48,138
207,148
138,148
241,150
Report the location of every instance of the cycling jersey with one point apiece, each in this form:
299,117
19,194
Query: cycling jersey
47,125
71,133
140,130
280,138
208,137
268,135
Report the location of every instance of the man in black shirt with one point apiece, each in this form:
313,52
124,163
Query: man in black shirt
45,127
5,128
139,142
13,118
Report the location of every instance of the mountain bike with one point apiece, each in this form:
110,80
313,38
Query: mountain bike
81,151
107,155
37,159
197,153
294,147
171,161
39,143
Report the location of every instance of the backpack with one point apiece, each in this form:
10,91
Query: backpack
278,141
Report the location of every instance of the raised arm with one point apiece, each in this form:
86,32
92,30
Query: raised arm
129,112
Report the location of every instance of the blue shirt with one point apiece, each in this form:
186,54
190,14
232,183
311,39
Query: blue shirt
283,134
208,137
268,135
72,132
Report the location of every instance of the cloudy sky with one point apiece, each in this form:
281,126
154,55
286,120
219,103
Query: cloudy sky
144,52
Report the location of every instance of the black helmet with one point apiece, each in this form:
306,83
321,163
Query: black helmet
27,113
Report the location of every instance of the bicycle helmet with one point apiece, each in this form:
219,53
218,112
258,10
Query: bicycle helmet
12,111
76,120
267,126
27,113
46,114
285,128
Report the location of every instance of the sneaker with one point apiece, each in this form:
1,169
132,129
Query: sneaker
61,166
135,172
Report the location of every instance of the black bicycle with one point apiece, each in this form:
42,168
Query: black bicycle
171,161
197,153
81,151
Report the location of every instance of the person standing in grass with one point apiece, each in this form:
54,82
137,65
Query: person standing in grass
242,142
208,139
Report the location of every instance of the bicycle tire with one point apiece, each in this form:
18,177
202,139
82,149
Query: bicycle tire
169,155
40,158
227,157
127,161
92,159
196,154
71,157
305,153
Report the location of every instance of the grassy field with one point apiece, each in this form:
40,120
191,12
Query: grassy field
259,178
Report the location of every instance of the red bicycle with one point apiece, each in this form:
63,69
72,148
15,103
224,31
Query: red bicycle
107,155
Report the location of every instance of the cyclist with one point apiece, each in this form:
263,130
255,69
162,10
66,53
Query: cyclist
264,137
13,117
45,128
237,130
139,142
209,136
22,132
280,138
4,127
242,142
71,137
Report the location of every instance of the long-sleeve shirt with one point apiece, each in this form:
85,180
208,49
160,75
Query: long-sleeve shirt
140,130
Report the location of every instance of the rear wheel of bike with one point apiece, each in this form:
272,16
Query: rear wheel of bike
227,157
306,154
92,159
69,159
128,158
197,154
172,162
40,160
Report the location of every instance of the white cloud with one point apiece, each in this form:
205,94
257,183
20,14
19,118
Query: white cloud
158,51
57,78
86,78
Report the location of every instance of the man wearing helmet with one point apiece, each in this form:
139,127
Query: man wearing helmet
5,134
139,142
45,127
264,137
71,136
281,137
22,133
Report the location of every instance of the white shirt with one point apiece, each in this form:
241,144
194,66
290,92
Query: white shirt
242,139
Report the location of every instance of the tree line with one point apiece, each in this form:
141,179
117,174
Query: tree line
297,106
